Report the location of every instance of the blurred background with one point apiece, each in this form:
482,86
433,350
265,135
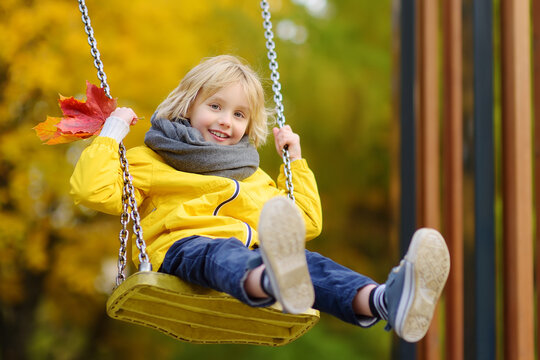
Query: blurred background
58,261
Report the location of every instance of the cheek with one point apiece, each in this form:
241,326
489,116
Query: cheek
201,119
198,124
242,129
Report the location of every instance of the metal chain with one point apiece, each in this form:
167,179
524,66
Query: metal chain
93,47
130,209
130,202
276,87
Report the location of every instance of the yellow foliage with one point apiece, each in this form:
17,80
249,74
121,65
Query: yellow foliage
55,256
11,287
36,256
80,257
12,231
12,235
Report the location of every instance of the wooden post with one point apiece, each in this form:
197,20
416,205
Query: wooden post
517,180
453,175
536,90
428,153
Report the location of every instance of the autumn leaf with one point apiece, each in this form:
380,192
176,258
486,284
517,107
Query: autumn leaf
81,119
47,129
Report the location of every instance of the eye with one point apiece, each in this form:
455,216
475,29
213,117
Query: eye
239,114
214,106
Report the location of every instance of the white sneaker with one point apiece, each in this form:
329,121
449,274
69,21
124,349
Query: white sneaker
413,288
282,237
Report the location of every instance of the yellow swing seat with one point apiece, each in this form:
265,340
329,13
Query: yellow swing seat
195,314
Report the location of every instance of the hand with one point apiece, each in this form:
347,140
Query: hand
285,136
126,114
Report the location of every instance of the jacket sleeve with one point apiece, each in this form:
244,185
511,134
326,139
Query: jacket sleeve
97,181
306,195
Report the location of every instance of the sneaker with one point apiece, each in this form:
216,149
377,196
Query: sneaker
413,288
282,237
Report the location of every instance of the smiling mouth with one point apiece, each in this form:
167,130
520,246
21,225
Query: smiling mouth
218,134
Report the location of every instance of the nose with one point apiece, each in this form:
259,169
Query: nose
225,120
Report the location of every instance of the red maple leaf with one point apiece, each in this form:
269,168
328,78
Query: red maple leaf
81,119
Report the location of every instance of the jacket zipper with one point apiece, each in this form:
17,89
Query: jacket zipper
234,196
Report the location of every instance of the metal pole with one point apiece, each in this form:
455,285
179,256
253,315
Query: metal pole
405,350
484,188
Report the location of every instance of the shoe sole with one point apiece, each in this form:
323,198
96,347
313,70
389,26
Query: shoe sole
427,267
282,240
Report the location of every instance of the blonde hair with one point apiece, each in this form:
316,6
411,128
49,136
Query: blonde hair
210,76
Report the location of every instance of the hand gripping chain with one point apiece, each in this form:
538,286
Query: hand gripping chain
276,87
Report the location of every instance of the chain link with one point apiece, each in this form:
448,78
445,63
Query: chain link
129,203
276,87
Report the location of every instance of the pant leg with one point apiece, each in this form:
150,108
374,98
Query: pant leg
219,264
335,288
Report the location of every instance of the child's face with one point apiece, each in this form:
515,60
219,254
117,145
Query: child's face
223,117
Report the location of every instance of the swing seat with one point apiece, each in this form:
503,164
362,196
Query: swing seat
200,315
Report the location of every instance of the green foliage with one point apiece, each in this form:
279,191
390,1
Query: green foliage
58,261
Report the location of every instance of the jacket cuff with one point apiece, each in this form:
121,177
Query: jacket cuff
296,164
115,128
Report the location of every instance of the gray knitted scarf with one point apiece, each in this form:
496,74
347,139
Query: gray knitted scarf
184,148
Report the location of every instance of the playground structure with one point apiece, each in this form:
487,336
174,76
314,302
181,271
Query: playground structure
432,84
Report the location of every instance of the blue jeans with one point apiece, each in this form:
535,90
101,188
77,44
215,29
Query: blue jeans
223,265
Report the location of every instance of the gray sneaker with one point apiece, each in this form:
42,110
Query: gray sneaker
282,236
413,288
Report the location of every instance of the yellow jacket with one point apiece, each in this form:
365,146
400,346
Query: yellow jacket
175,204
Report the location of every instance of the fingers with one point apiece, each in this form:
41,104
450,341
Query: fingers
126,114
286,137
